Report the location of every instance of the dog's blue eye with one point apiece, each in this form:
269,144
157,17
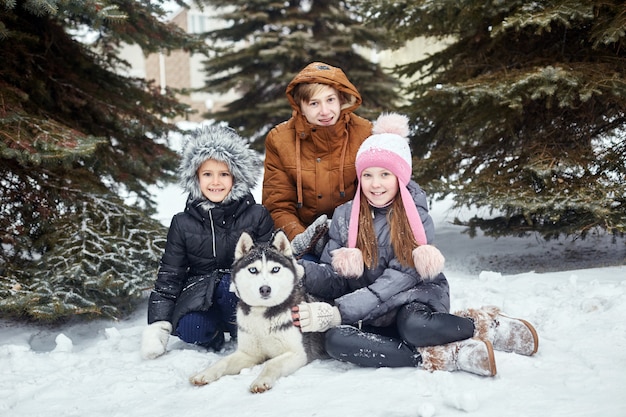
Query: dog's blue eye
275,269
253,270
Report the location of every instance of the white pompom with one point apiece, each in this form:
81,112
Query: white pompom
392,123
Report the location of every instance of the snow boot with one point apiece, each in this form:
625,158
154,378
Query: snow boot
505,333
470,355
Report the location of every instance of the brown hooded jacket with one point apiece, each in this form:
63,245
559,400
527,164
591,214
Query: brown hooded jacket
309,169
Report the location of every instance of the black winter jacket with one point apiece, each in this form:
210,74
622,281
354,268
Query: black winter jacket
201,242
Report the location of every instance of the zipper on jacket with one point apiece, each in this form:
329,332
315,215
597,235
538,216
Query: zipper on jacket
212,231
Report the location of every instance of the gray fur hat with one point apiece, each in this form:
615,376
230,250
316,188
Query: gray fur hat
221,144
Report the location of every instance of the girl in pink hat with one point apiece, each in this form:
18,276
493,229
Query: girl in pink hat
387,300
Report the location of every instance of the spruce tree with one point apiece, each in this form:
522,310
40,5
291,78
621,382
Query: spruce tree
522,110
78,140
268,42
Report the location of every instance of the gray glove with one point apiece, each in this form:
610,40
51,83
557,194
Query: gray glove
313,239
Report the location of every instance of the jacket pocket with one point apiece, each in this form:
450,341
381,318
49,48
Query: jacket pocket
197,294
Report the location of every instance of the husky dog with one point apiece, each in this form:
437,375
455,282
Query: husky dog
267,280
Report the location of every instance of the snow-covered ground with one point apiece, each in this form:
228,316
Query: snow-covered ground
574,292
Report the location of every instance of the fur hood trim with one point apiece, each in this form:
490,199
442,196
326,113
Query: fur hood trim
221,144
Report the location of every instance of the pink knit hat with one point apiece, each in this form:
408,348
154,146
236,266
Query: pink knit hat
387,148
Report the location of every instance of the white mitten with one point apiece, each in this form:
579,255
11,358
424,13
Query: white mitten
318,316
154,339
301,242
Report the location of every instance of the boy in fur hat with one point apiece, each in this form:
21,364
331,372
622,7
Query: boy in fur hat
385,280
191,297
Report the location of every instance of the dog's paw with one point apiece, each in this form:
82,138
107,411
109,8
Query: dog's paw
259,386
264,382
204,377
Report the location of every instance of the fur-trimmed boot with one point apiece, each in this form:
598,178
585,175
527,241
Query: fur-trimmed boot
470,355
505,333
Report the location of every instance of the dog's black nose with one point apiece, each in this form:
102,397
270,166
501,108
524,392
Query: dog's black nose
265,291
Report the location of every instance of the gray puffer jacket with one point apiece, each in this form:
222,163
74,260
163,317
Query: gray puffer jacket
375,297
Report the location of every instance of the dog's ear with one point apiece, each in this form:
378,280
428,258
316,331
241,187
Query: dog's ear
244,244
281,242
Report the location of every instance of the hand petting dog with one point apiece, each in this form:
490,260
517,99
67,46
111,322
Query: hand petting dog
315,317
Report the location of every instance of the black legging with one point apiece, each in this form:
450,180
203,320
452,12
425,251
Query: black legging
416,326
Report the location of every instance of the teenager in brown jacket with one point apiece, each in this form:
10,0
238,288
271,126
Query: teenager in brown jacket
309,162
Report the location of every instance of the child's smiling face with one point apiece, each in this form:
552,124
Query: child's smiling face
324,107
215,180
379,186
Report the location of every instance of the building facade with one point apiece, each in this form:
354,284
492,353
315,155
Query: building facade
183,70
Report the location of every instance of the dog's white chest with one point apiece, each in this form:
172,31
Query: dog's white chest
268,335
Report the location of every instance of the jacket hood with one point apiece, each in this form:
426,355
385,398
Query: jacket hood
221,144
319,72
